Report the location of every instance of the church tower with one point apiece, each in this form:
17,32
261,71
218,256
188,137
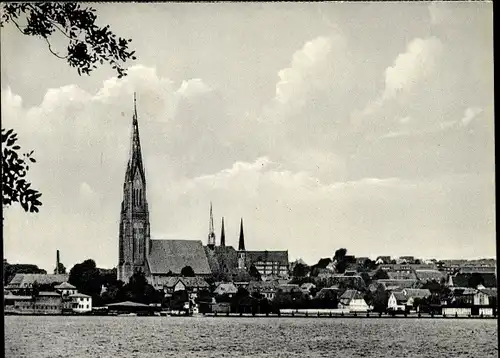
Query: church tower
211,231
241,249
222,235
134,236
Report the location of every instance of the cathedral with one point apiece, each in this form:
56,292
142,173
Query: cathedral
160,259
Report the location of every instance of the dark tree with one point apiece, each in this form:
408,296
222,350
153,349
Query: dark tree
300,270
187,271
86,278
340,254
10,270
254,273
340,260
380,275
139,290
475,279
15,166
61,270
88,45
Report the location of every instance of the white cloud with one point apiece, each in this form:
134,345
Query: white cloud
470,114
412,66
193,87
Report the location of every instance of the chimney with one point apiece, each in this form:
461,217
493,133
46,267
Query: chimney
57,262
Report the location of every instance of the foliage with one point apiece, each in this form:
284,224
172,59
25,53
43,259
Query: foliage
87,44
86,278
380,275
139,290
475,279
10,270
340,260
179,298
204,295
295,299
322,264
61,270
254,273
325,299
15,187
378,299
187,271
300,270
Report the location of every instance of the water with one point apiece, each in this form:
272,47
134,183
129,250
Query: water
117,337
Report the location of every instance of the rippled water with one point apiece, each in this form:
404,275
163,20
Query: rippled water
247,337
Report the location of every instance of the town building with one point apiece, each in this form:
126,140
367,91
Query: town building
80,303
65,289
404,300
354,301
137,251
226,288
44,303
192,285
23,282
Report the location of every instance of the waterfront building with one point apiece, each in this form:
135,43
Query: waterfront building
42,303
137,251
80,303
267,289
65,289
192,285
224,288
354,301
405,299
23,282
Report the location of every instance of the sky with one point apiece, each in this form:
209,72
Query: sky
367,126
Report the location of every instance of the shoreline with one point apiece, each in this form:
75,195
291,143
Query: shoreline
273,315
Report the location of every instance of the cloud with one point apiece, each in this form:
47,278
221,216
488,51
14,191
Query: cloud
193,87
470,114
412,66
306,63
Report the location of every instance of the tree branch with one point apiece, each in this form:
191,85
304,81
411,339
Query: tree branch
54,23
18,27
55,54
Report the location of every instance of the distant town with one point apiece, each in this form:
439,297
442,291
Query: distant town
189,277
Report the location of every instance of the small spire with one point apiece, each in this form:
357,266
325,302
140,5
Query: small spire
241,246
222,235
211,231
135,106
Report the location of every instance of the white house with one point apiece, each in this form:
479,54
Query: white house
81,303
354,301
397,302
66,289
403,300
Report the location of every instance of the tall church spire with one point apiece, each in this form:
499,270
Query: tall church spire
241,245
134,234
222,235
211,231
135,157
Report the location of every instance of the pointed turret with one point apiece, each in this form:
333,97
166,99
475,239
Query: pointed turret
211,231
135,157
222,235
241,245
